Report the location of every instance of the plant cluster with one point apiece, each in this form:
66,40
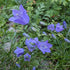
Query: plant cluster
39,35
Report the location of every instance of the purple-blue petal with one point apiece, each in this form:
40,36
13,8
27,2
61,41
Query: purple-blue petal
44,46
12,19
67,40
44,33
20,16
19,51
22,9
53,36
26,35
15,12
17,65
59,27
27,57
64,24
50,27
34,68
20,21
31,43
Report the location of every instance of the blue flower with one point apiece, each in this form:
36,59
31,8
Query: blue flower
26,35
53,36
31,43
44,33
19,51
67,40
51,27
34,68
44,46
20,16
64,24
27,57
59,27
17,64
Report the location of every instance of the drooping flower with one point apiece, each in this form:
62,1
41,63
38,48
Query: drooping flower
53,36
27,57
51,27
20,16
31,43
26,35
44,46
34,29
19,51
59,27
18,65
64,24
44,33
34,68
67,40
42,23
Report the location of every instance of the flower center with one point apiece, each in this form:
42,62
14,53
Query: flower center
32,43
44,47
17,14
26,57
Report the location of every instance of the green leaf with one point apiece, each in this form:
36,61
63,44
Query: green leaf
35,63
2,21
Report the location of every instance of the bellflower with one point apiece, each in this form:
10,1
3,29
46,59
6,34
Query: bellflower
44,33
34,68
53,36
19,51
27,57
59,27
67,40
26,35
17,65
64,24
20,16
51,27
31,43
44,46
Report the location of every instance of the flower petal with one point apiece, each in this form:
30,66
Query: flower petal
22,9
15,12
12,19
19,21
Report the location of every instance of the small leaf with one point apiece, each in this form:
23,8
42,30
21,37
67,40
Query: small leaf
2,21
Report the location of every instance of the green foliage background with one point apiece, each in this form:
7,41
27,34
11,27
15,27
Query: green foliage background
47,11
